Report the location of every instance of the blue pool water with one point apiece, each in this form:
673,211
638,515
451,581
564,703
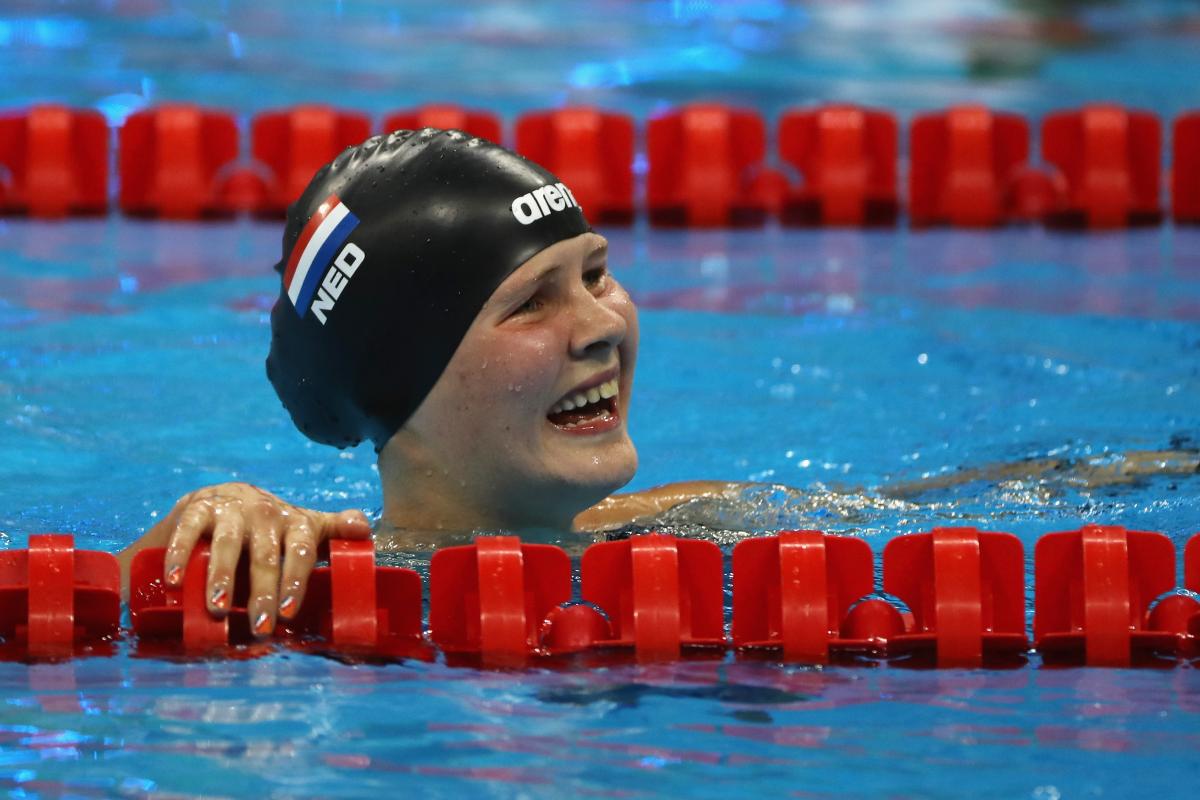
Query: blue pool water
840,363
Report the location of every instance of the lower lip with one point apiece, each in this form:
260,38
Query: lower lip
592,428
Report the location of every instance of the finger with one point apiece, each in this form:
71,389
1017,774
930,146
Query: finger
350,524
264,575
228,533
300,553
194,521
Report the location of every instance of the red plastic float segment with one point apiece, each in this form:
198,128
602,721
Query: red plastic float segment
591,151
51,594
354,605
1191,580
178,615
1185,168
962,162
53,597
447,116
296,142
353,609
847,156
704,161
1093,588
660,593
169,159
966,590
491,597
1111,160
792,591
57,162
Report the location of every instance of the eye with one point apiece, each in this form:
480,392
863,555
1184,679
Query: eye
531,305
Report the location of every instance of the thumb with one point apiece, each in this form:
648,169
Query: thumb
350,524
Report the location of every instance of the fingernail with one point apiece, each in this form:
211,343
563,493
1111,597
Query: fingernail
220,598
286,607
173,574
262,624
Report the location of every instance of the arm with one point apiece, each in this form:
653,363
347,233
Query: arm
239,516
1089,472
623,509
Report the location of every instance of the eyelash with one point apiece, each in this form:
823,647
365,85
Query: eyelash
592,278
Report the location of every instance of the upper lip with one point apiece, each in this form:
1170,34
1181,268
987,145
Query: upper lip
591,383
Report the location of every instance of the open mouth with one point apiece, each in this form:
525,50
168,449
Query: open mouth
588,411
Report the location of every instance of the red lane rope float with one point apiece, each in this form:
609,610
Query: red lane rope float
56,601
703,162
295,142
1190,645
1185,168
483,124
792,591
708,163
591,151
966,589
356,607
847,157
351,606
963,162
1103,597
176,617
57,162
1111,160
169,158
1094,587
491,597
661,594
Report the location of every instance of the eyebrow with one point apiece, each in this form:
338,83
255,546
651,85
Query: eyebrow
599,251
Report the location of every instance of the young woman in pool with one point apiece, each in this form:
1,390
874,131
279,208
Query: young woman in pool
446,299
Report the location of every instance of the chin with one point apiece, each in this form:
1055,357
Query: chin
601,475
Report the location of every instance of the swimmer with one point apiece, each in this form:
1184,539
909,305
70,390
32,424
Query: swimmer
447,300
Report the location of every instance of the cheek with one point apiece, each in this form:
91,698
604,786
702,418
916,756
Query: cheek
504,380
620,303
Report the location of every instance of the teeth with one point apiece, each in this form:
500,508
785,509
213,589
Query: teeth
604,391
603,416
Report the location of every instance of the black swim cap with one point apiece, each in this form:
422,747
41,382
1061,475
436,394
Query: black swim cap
388,256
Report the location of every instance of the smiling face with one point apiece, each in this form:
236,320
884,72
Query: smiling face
526,426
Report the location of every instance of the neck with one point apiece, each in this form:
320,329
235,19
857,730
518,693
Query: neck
426,505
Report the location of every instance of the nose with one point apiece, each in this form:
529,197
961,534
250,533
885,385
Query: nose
596,328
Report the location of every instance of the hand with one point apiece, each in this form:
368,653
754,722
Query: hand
239,515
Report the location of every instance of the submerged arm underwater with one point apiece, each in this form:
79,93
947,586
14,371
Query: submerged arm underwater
721,503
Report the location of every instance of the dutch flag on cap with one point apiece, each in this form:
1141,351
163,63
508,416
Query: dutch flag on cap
319,242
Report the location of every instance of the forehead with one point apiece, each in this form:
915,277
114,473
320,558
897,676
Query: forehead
577,250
